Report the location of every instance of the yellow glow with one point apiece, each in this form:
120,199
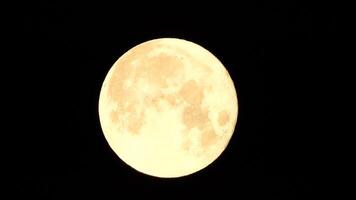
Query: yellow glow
168,107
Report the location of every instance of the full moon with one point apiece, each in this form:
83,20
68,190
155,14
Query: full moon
168,107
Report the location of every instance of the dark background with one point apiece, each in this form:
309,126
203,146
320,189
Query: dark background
278,55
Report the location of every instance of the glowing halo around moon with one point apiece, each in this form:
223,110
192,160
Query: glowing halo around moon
168,107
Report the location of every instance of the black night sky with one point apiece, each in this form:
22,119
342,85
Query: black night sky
275,52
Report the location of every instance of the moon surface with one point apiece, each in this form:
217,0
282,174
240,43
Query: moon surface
168,107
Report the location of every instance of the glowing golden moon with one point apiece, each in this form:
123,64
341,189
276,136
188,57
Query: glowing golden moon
168,107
